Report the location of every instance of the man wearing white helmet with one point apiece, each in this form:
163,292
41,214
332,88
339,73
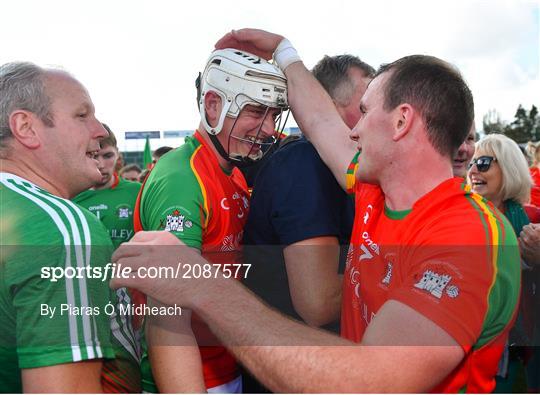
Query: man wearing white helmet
197,193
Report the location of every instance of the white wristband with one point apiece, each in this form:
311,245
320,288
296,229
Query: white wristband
285,55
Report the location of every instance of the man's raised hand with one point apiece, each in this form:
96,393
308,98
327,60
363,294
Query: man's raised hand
255,41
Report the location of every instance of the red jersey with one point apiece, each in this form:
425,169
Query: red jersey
535,191
453,258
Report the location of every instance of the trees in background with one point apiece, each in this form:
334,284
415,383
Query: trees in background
525,126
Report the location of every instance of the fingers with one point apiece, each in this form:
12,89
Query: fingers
148,236
227,41
127,250
255,41
530,235
127,274
118,282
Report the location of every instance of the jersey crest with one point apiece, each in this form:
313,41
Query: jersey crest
123,212
436,283
175,222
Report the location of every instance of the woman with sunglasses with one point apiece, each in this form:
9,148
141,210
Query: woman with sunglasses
499,172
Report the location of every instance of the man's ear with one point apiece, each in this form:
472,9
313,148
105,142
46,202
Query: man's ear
23,128
403,118
212,106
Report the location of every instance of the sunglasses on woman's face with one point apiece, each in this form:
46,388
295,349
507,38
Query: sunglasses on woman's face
483,163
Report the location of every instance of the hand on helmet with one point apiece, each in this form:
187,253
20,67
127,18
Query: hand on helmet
258,42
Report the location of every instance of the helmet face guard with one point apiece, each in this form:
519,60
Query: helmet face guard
259,146
239,79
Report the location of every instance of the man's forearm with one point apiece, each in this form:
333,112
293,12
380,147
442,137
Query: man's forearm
283,354
319,120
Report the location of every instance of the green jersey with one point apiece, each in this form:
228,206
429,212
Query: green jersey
114,207
55,307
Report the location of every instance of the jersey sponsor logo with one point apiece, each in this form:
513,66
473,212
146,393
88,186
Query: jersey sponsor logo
237,197
436,284
354,278
176,222
98,207
241,201
388,275
121,234
368,212
225,204
368,247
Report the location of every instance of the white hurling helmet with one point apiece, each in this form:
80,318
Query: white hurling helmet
241,78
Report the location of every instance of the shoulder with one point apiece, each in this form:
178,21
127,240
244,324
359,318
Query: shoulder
454,214
175,172
129,186
83,196
33,216
296,163
295,149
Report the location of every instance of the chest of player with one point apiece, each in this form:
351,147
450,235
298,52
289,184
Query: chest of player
112,211
116,216
372,271
376,263
227,211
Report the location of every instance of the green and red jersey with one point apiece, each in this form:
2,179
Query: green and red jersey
453,258
114,207
42,232
205,206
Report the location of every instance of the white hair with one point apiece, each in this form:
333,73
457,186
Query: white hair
516,178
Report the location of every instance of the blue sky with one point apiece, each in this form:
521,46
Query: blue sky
139,59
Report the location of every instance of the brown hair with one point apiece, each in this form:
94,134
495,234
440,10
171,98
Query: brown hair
437,90
110,140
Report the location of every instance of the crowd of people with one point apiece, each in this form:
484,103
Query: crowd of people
388,249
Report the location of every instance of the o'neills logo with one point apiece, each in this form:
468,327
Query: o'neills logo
100,207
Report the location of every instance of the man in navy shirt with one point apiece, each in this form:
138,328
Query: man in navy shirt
300,216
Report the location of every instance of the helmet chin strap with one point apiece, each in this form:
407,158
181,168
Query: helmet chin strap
239,161
219,147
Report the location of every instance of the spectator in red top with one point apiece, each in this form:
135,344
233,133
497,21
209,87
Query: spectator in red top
535,174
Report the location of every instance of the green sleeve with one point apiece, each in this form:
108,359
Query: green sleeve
79,328
172,200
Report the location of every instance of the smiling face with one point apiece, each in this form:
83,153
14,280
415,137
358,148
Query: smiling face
70,144
460,161
487,183
243,136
